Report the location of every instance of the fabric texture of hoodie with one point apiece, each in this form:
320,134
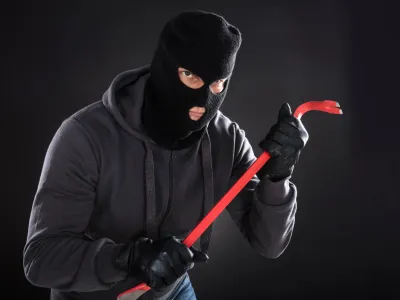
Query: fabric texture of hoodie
104,182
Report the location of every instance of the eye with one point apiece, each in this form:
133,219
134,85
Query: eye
187,73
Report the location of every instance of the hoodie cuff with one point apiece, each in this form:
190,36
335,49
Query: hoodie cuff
274,193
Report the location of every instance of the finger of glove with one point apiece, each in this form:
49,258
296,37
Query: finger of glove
271,146
184,254
155,282
288,127
287,135
162,268
173,245
296,123
179,254
282,139
198,256
179,264
281,163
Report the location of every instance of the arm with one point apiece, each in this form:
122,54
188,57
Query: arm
264,210
56,254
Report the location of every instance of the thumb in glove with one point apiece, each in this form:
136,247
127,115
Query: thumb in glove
284,112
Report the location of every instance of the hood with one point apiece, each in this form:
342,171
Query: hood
124,100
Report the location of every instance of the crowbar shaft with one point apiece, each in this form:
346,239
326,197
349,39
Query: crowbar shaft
327,106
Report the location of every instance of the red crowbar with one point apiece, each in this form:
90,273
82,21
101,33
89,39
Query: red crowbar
328,106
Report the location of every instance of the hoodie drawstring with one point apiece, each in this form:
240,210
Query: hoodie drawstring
208,201
150,193
208,184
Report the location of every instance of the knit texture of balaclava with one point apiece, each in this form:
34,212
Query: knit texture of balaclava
203,43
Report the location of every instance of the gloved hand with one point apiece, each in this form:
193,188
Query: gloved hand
161,263
284,143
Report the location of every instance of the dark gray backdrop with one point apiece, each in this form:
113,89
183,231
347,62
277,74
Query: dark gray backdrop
60,57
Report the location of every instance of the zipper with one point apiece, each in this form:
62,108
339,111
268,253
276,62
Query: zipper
171,194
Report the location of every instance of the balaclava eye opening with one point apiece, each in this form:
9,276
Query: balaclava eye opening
203,43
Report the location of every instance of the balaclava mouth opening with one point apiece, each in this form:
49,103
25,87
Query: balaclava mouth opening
203,43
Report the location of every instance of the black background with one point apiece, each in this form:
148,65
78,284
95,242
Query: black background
58,56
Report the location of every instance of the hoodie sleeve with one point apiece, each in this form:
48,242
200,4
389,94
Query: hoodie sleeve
56,254
264,210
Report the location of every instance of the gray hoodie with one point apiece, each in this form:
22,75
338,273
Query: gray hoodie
104,182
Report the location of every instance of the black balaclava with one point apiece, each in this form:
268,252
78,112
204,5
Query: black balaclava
203,43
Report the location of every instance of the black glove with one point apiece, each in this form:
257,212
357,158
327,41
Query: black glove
284,143
160,263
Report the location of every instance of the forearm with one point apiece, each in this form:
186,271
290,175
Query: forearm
268,225
71,263
57,254
264,210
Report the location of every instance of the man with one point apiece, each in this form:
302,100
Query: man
127,178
